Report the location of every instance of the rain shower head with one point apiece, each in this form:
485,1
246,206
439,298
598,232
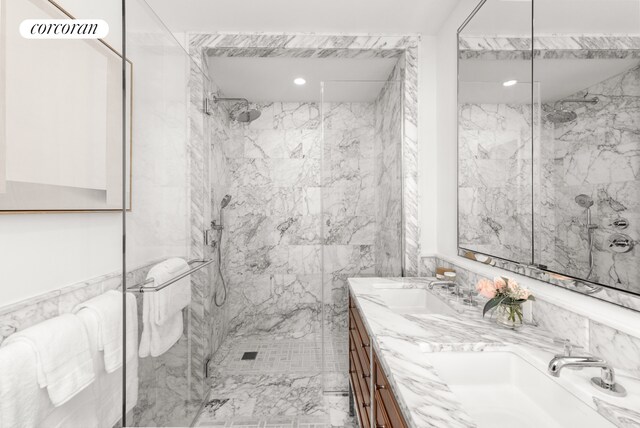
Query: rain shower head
247,115
225,201
584,201
560,114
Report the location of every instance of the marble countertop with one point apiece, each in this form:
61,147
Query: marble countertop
401,341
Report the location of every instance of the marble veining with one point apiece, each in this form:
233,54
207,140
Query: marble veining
494,180
308,45
166,390
619,348
598,154
401,340
549,46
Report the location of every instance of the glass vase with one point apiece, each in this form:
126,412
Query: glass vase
509,316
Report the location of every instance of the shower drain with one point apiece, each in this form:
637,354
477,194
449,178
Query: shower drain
249,355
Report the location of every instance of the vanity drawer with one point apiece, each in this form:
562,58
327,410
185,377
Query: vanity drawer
361,350
359,325
382,418
360,354
386,405
360,388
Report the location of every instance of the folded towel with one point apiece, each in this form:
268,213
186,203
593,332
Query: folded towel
107,308
162,310
63,361
20,395
107,388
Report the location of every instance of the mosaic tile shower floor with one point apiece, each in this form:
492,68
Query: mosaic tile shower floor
281,387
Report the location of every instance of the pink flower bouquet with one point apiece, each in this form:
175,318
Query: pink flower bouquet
504,291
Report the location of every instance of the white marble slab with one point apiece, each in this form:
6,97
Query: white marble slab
401,340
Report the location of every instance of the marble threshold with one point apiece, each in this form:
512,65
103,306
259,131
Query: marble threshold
401,342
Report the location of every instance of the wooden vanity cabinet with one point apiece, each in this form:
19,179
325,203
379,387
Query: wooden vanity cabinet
372,394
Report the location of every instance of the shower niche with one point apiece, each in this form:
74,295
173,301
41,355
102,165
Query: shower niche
549,142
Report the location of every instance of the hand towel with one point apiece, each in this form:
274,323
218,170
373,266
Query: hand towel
162,310
107,308
21,404
63,360
107,388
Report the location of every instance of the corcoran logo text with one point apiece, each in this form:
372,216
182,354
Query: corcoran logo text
64,29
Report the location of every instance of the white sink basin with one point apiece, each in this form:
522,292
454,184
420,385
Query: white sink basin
413,301
501,389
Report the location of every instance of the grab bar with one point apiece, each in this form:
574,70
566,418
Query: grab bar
144,288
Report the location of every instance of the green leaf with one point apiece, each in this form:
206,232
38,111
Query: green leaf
492,304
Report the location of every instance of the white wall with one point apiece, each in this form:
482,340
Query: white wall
446,119
44,252
427,143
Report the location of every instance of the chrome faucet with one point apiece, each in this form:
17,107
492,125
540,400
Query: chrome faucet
452,286
606,383
447,284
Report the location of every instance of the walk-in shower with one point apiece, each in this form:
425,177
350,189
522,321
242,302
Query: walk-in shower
246,115
560,114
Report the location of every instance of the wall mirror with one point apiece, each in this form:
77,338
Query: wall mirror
60,150
549,142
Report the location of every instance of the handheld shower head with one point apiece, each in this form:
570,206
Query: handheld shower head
584,201
225,201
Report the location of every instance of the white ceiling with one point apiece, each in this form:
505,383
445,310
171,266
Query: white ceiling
481,81
271,79
557,17
334,16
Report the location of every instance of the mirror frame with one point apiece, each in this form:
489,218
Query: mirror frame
606,293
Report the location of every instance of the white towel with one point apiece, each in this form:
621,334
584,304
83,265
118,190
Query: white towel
107,388
162,310
107,308
20,395
63,361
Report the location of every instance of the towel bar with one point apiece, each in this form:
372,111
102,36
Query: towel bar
144,288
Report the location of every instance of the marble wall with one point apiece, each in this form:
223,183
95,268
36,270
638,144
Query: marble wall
404,48
164,396
292,207
618,348
595,154
388,169
598,154
494,180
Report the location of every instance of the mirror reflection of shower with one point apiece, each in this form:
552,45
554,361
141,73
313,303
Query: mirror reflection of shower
247,115
561,114
586,202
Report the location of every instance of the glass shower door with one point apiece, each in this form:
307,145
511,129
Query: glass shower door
362,136
165,250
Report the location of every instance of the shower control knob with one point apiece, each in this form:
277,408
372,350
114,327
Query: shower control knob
620,243
620,223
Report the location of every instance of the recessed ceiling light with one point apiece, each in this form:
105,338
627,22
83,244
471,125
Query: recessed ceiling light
299,81
509,83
